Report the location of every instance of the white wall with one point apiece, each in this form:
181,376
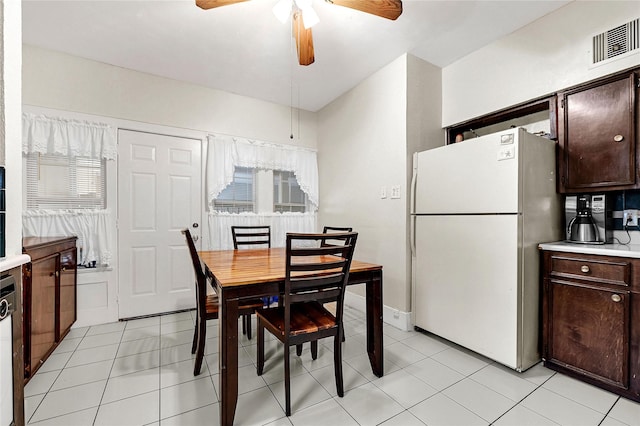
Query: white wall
362,147
63,85
424,115
10,120
70,83
364,143
550,54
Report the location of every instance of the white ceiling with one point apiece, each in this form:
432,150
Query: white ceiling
244,49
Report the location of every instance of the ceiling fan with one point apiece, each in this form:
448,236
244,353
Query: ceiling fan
304,17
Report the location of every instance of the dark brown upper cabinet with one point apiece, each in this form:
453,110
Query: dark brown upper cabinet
597,128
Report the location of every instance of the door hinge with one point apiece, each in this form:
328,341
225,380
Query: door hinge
561,103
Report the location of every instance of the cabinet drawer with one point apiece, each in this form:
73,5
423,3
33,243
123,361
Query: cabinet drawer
606,271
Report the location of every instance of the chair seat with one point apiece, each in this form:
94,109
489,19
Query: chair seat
246,306
307,317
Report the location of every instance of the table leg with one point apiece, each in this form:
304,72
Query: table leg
228,351
374,324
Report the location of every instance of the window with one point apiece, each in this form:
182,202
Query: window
287,194
239,196
261,191
60,182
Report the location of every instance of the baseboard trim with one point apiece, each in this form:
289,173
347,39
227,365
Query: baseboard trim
392,316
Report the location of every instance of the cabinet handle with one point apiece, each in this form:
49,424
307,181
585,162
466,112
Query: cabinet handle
618,138
616,298
584,268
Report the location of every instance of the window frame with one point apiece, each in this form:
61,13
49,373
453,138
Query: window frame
264,198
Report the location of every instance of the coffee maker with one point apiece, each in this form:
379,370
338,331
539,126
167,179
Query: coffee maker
589,218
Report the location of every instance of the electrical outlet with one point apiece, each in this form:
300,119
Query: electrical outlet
630,218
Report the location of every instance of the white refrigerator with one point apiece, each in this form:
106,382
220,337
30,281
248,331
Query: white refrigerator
479,209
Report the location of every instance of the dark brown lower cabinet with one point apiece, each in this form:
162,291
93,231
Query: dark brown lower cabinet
591,319
49,283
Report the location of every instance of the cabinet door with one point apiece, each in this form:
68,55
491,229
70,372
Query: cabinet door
588,331
67,292
597,137
42,332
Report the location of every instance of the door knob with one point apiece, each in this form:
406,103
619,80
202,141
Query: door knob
616,298
195,224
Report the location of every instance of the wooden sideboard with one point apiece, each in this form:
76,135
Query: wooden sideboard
50,294
591,319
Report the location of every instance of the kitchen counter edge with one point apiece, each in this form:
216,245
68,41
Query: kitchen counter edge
13,262
621,250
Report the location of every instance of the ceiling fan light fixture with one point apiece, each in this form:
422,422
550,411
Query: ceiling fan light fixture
309,17
282,10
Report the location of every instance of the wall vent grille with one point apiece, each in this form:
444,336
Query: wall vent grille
616,41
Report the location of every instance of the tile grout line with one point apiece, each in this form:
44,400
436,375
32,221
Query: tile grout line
95,418
57,376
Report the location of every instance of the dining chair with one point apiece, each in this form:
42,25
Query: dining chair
332,229
207,306
314,272
249,236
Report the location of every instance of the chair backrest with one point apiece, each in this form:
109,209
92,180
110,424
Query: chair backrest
317,271
332,229
251,236
201,279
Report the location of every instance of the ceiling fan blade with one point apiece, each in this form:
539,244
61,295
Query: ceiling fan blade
210,4
304,41
389,9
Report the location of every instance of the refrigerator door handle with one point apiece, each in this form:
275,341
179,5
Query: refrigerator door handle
414,179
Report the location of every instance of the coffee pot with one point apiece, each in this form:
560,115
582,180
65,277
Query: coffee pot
582,227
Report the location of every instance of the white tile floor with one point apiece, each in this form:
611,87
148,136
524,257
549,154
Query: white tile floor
140,373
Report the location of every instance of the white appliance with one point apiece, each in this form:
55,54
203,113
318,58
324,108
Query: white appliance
7,301
479,210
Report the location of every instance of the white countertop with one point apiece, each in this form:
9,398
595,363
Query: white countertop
622,250
13,262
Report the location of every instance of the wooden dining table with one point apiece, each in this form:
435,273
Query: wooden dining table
247,274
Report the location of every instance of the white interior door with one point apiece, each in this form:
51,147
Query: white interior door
159,194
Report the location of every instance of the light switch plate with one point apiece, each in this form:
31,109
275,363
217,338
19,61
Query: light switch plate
383,192
395,191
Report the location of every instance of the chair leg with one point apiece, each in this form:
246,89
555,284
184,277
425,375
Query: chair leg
260,348
314,349
247,319
287,381
299,349
337,361
194,345
244,324
202,337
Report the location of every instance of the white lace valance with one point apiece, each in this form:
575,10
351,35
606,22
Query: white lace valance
225,152
75,138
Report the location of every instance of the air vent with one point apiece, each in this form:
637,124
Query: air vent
616,41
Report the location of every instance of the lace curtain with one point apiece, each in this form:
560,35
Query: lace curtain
281,223
224,153
92,227
73,138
